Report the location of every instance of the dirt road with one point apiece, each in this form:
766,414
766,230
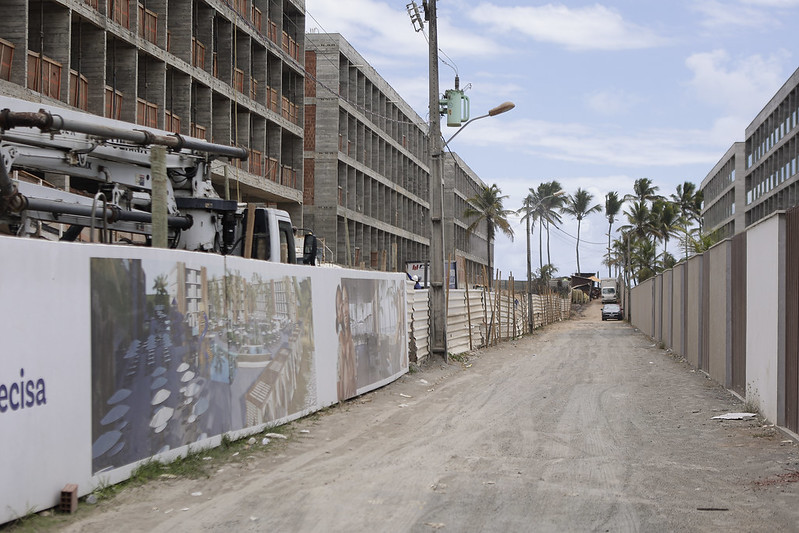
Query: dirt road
585,426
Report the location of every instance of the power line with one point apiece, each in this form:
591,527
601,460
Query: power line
582,241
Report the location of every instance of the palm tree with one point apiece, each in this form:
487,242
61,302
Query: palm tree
550,195
666,220
618,253
579,206
644,259
639,218
529,218
689,201
486,205
612,208
644,191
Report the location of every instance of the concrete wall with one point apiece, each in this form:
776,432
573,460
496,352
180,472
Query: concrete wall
698,321
124,373
666,306
693,304
657,309
642,307
719,312
765,340
678,310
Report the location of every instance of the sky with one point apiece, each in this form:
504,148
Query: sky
606,92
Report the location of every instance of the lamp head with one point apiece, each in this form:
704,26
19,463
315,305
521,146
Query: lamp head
501,108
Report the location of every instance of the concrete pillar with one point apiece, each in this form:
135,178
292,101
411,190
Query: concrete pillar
89,57
221,126
122,74
223,46
178,99
15,31
180,19
152,83
201,108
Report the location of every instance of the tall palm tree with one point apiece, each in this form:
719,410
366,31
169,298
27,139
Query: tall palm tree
689,201
639,220
644,259
644,191
612,208
579,206
529,218
487,206
665,220
550,194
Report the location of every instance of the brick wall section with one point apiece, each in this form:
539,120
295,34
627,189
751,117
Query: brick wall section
310,70
310,128
308,181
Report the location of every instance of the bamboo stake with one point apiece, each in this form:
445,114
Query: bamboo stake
513,301
498,301
468,311
487,305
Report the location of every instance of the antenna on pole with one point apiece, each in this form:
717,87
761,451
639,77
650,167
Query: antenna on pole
416,17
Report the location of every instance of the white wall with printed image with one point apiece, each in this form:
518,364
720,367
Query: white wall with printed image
131,353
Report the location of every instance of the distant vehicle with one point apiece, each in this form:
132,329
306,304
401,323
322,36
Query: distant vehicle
611,311
610,290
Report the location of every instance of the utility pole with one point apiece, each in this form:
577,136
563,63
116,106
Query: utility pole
438,311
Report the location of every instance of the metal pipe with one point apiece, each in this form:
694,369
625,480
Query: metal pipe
111,214
47,123
10,198
7,186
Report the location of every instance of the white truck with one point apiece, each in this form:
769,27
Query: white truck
609,288
111,187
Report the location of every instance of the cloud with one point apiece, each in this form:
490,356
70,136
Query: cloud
743,86
724,15
744,13
600,144
587,28
384,35
612,102
773,3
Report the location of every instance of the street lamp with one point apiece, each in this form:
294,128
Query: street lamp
501,108
530,322
438,312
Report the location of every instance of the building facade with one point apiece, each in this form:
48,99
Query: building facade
234,72
724,195
772,146
759,176
230,72
367,170
468,248
366,166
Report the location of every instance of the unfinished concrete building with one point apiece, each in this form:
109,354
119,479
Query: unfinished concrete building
468,248
367,169
229,72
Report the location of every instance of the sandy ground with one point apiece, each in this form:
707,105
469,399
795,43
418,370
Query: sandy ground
585,426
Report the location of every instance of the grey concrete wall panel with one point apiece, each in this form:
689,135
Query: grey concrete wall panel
719,313
666,307
693,304
657,307
678,310
642,306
